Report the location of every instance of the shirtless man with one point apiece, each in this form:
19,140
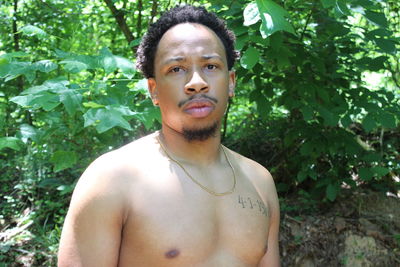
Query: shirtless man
177,197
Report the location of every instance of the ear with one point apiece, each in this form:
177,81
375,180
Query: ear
232,83
151,86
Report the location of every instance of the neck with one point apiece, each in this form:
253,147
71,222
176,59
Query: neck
192,152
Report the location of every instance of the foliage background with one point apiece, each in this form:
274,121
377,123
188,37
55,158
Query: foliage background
317,101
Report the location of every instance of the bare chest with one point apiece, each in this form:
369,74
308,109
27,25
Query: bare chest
173,222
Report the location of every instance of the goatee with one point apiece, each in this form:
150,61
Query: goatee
200,134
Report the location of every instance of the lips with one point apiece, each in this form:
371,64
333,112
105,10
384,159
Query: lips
199,108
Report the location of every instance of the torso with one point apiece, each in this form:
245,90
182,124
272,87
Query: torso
171,221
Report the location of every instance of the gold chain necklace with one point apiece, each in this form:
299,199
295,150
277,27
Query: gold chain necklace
198,183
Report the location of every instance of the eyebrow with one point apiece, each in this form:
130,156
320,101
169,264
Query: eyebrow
181,58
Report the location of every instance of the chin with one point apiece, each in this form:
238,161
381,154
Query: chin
201,133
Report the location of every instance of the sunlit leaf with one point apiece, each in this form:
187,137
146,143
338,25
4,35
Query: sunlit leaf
45,65
31,30
251,14
273,18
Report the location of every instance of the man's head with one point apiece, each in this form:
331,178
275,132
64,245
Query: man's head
187,58
182,14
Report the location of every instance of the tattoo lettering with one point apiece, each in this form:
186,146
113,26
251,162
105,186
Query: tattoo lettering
249,203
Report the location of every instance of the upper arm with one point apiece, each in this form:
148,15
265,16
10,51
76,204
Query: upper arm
91,234
271,257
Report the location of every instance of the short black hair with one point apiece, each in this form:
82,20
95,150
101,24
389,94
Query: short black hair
177,15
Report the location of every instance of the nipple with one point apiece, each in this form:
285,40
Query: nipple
172,253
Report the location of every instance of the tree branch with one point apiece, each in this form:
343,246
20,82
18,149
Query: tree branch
153,10
119,17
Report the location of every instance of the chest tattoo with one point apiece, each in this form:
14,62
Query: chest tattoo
254,204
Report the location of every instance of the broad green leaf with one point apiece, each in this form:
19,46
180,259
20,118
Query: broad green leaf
273,18
31,30
108,117
250,58
332,191
369,123
126,66
380,171
365,174
148,116
63,160
346,121
135,42
10,142
71,100
341,8
27,132
378,19
307,112
141,86
330,118
387,119
301,176
74,66
328,3
15,69
251,14
45,65
372,157
45,100
386,45
107,60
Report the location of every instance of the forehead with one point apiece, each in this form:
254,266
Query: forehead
189,39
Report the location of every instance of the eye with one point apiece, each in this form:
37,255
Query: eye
175,69
211,66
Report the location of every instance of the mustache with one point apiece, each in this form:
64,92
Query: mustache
193,97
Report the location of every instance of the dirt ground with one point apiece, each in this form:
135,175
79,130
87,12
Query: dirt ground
361,229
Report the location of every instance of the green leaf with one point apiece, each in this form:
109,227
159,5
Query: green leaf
341,8
27,132
273,18
74,66
31,30
45,65
365,174
332,191
250,58
387,120
378,19
346,121
107,60
369,123
328,3
71,100
380,171
251,14
307,112
108,117
388,46
10,142
149,116
126,66
63,160
91,104
135,42
330,118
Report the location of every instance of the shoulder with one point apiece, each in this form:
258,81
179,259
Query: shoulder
111,175
257,174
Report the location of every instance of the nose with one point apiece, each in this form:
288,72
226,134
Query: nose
196,84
